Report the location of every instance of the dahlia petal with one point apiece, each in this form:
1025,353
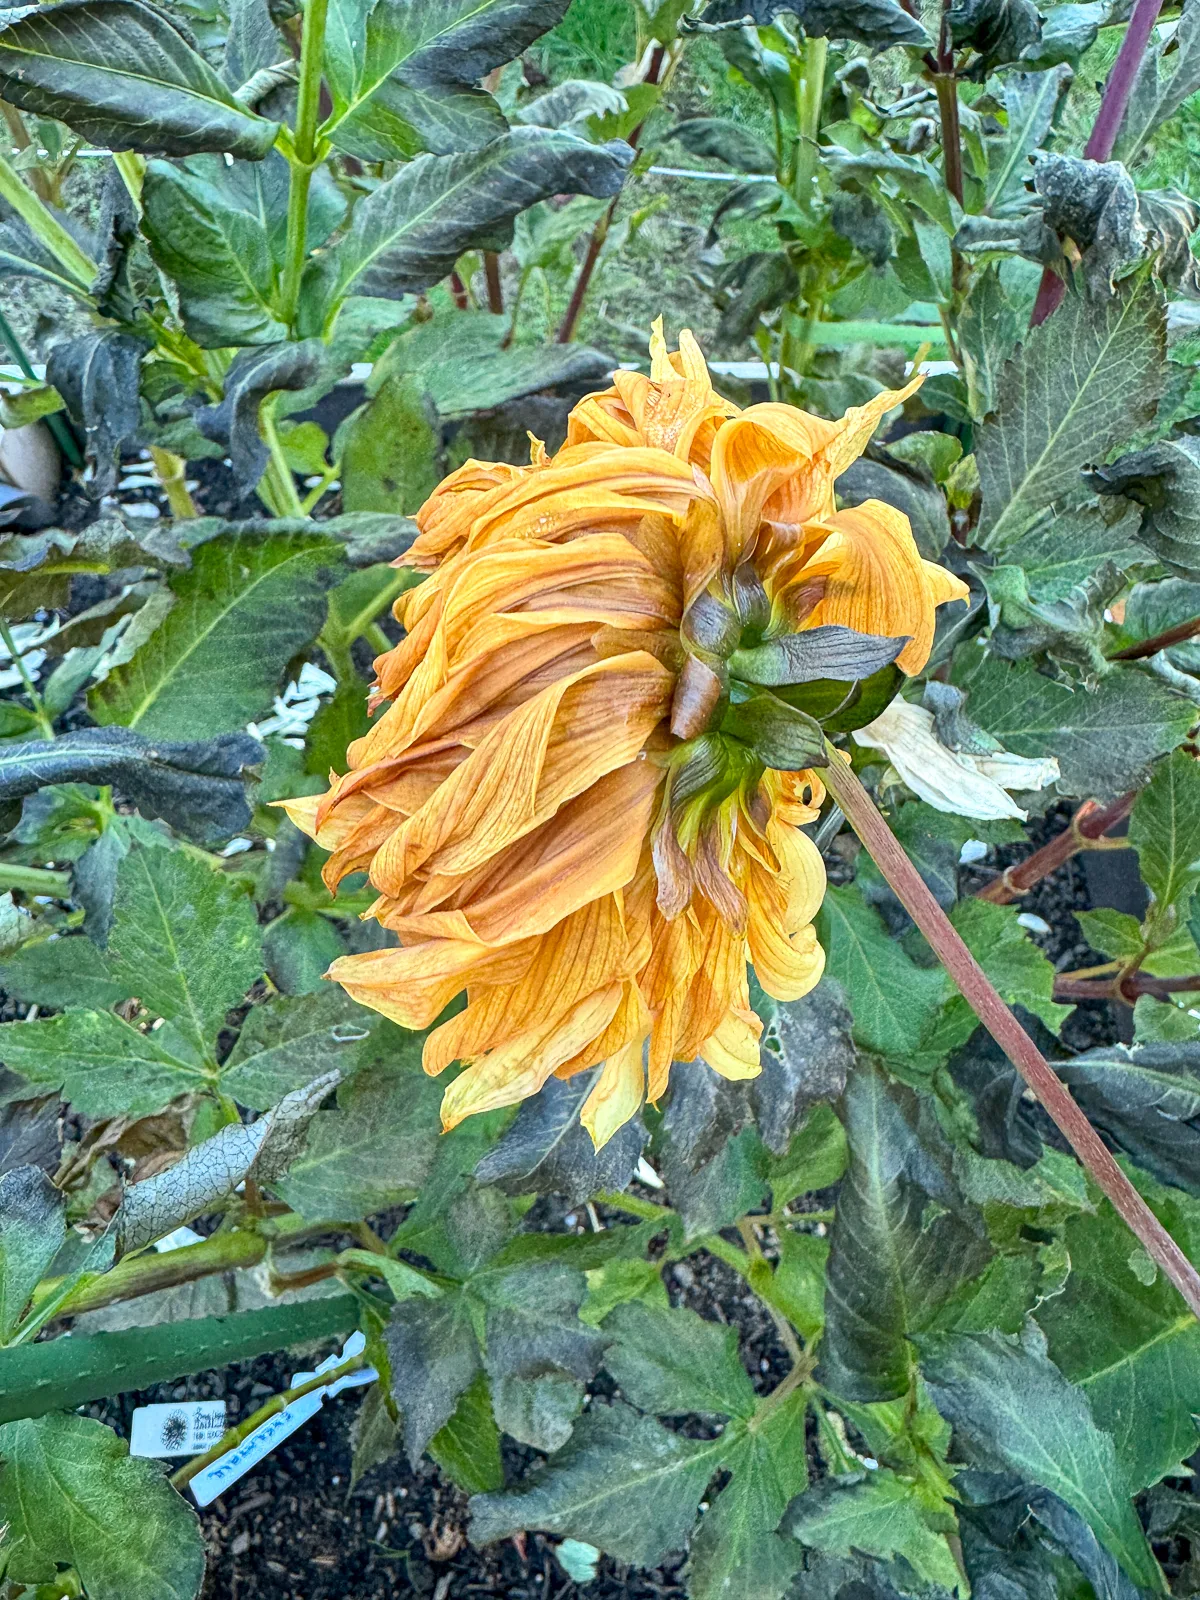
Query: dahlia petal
733,1049
616,1095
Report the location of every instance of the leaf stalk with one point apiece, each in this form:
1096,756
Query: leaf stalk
304,156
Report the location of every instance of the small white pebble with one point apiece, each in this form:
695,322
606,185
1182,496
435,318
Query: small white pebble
646,1174
1034,924
235,847
972,850
142,509
139,480
570,1220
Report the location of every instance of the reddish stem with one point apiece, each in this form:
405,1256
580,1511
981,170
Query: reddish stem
459,290
910,889
1089,824
1161,641
491,271
1103,136
1127,988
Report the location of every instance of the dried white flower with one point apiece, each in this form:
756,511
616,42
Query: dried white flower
950,780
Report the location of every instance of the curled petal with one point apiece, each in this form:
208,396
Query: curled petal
616,1096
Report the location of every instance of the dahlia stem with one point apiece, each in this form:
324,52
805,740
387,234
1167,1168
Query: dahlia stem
305,155
910,889
1087,830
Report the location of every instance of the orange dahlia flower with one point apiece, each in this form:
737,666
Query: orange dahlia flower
582,803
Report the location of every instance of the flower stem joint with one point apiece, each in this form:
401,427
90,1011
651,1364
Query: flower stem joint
603,730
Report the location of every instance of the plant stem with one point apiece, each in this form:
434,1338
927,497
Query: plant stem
19,133
172,474
35,880
815,53
31,689
491,271
1113,104
46,227
278,478
910,889
646,1209
276,1404
946,85
1126,988
305,157
1181,632
1085,832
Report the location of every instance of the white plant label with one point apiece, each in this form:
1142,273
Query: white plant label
227,1469
180,1428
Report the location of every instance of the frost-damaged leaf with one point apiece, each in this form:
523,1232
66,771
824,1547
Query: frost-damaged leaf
673,1361
467,1448
1147,1099
122,75
1012,1534
71,1494
548,1151
903,1241
806,1052
184,940
722,139
212,1170
894,1000
878,23
1169,73
243,609
735,1552
999,30
1060,552
406,80
1012,1409
29,1132
412,229
1031,100
198,788
373,1151
622,1483
708,1157
253,375
434,1356
32,1229
98,375
1164,480
1103,739
1117,1330
1164,829
531,1322
879,1515
287,1042
1077,386
539,1412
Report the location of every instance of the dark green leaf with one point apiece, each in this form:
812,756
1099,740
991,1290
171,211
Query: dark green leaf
754,284
1060,552
410,231
622,1483
999,30
673,1361
548,1151
289,1041
32,1229
539,1412
722,139
434,1357
1032,101
122,75
1147,1099
247,604
531,1322
184,940
1104,738
892,999
1076,387
253,375
373,1151
1127,1342
390,450
880,1515
60,972
708,1154
806,1052
1017,967
878,23
1011,1408
735,1553
909,490
403,82
299,947
1153,608
198,788
71,1493
903,1242
1164,829
829,652
467,1448
1067,31
98,375
1168,74
104,1066
1164,480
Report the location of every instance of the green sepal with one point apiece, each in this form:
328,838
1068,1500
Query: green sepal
814,655
840,708
779,734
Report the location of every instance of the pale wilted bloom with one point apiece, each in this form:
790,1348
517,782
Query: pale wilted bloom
952,780
581,804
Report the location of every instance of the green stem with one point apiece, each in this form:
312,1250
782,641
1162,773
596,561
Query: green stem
304,157
46,227
171,471
815,52
278,478
976,988
646,1209
35,699
276,1404
35,880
